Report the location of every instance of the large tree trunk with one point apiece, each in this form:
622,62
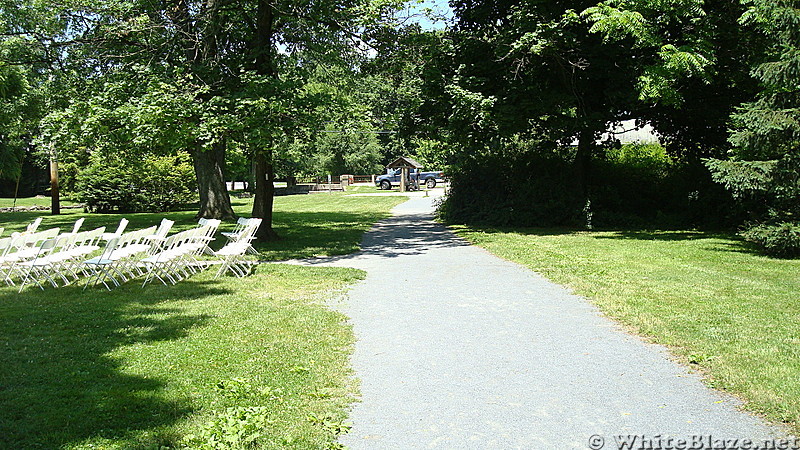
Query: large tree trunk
209,165
265,193
264,170
215,203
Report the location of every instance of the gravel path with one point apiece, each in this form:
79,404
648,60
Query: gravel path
460,349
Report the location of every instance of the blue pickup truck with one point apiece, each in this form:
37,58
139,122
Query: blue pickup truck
392,178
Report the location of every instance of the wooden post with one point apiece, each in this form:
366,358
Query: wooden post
403,178
55,203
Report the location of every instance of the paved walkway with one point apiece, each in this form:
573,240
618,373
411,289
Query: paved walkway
460,349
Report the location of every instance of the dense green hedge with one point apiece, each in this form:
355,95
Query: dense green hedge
153,184
531,184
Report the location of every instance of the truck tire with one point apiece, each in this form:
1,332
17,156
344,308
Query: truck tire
385,185
431,183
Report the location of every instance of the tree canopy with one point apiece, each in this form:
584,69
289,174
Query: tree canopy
523,91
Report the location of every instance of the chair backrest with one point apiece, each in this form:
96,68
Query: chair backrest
5,245
46,247
33,226
89,237
77,225
211,227
249,233
136,236
178,239
109,249
164,227
121,228
34,239
65,241
241,224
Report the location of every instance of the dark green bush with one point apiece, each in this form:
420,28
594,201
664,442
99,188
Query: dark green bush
781,240
526,183
151,184
516,184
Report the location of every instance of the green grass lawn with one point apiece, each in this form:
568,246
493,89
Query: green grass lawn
145,368
732,314
198,365
31,201
309,225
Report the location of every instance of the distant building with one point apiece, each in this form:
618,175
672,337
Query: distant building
627,133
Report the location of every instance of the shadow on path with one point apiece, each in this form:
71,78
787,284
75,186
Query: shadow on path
401,235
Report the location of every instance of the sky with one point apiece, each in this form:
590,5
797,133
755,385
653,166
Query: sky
439,7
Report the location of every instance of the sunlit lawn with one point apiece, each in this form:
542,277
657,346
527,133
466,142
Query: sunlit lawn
30,201
196,365
731,313
309,225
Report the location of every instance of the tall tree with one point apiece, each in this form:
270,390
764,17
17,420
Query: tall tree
693,62
230,68
765,163
769,127
542,69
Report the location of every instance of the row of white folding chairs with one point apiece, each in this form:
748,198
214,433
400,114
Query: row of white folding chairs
233,255
64,256
120,259
117,262
46,256
21,247
60,257
179,256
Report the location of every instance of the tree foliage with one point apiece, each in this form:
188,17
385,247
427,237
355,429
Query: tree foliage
769,127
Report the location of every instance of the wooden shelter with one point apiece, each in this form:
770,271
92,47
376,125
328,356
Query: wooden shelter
405,164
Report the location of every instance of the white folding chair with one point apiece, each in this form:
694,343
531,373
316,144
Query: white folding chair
39,267
33,226
163,229
233,255
199,245
130,247
120,229
169,264
102,267
241,224
22,248
78,224
84,243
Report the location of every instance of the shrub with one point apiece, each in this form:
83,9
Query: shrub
781,240
517,183
152,184
528,183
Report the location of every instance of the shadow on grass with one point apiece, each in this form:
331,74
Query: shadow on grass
309,234
58,383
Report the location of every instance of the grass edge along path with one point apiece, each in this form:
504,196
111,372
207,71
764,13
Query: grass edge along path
720,308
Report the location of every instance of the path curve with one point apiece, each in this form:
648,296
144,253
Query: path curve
459,349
